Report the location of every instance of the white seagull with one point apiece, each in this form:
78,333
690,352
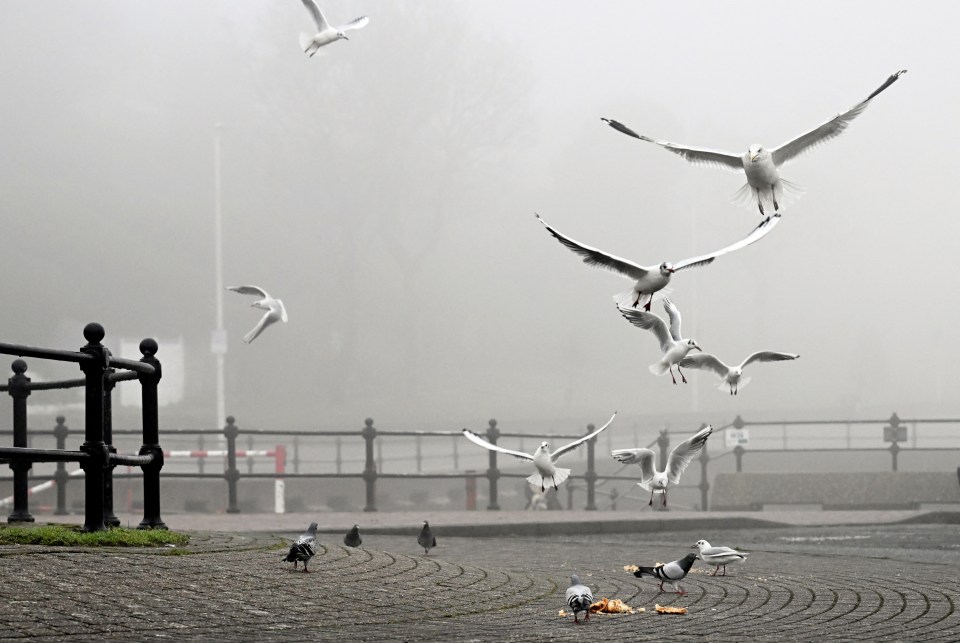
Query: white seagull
732,376
542,458
651,279
719,556
326,33
673,346
274,307
681,455
761,165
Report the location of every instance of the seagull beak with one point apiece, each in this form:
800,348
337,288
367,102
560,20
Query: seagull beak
753,156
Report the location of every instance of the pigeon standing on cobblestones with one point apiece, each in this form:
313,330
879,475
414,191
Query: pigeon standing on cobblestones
542,458
426,538
303,548
579,597
352,539
671,573
719,556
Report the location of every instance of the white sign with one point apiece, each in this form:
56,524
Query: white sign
737,437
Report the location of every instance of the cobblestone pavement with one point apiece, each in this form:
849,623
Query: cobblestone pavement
863,582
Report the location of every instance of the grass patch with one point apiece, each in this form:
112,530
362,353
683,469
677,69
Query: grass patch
71,535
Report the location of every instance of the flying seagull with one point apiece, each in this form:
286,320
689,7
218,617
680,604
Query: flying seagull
426,539
719,556
542,458
325,32
650,279
672,345
681,455
274,307
303,548
579,598
732,376
352,539
762,166
671,573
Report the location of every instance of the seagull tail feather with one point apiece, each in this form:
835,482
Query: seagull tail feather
660,368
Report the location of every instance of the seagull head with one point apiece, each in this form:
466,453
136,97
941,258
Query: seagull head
701,544
666,268
693,344
756,151
544,446
342,35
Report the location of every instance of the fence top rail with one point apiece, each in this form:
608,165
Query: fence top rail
22,350
884,421
132,365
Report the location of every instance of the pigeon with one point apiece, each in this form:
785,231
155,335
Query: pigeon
677,461
579,598
542,458
719,556
352,539
326,34
732,376
671,573
651,279
274,307
426,538
303,548
762,166
672,345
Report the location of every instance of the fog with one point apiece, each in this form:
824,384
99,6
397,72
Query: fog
386,188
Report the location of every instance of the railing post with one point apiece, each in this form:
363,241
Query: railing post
419,454
109,519
151,437
591,475
61,476
201,461
493,474
249,450
738,452
570,489
894,452
296,454
663,441
704,481
370,467
231,475
339,455
19,390
614,494
97,455
456,454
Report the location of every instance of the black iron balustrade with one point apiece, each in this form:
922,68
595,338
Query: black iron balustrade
95,456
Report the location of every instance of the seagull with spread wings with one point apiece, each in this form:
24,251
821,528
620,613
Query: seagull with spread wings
651,279
762,165
276,311
325,32
542,458
673,346
732,376
681,455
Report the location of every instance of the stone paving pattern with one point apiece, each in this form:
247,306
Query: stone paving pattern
882,582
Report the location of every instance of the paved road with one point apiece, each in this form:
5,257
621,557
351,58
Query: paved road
840,582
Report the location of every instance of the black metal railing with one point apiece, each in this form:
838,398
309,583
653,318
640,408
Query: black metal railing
97,456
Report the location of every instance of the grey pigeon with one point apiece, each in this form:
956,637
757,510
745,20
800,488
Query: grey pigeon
426,538
352,539
303,548
671,573
719,556
579,598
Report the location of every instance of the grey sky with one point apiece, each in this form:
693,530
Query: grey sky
385,190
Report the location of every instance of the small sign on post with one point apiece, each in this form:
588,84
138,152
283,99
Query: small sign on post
736,437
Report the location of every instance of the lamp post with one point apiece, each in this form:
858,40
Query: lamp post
218,339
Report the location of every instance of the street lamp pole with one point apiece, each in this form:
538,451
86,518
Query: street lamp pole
218,341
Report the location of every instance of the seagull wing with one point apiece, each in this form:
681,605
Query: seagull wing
573,445
768,356
683,453
831,129
644,458
649,321
706,362
249,290
762,230
696,155
594,257
318,18
359,23
267,319
282,309
674,314
476,439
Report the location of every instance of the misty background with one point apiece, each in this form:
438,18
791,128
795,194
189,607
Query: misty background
386,191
